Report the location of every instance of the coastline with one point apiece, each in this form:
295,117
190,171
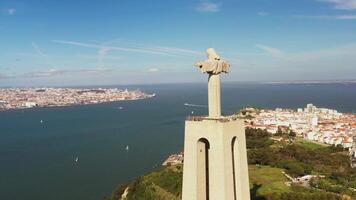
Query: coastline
18,98
68,105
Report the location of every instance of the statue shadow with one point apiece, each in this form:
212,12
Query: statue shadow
253,192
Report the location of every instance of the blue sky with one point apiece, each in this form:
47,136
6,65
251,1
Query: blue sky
100,42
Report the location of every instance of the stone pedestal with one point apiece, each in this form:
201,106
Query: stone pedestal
215,160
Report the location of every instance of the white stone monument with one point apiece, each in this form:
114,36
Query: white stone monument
215,158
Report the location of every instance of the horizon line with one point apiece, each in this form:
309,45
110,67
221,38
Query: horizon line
336,81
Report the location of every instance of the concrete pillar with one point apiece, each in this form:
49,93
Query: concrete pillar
214,96
220,171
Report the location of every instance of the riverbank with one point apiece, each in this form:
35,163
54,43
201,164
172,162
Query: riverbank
21,98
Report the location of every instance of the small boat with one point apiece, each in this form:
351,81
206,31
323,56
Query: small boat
192,112
41,121
76,159
127,148
120,108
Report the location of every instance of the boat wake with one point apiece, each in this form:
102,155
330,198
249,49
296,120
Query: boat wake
195,105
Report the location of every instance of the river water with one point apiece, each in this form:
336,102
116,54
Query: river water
37,160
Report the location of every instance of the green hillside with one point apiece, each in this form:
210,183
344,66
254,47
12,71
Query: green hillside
267,160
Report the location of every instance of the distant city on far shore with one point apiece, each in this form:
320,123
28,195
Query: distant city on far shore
19,98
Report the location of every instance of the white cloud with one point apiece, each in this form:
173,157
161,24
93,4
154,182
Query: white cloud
342,4
208,7
153,70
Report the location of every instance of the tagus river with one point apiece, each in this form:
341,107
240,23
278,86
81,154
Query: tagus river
113,145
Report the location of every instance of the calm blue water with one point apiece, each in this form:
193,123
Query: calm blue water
37,160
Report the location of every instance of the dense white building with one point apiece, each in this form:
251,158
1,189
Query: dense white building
316,124
30,104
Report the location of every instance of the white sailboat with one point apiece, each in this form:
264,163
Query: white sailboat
127,148
76,159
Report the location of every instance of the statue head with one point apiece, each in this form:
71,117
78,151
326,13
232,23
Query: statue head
212,55
214,64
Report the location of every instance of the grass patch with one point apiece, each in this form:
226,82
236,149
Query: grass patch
269,180
309,145
163,184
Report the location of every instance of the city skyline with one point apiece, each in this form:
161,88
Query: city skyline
132,42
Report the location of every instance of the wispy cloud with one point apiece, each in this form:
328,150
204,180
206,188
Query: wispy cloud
335,62
327,17
262,13
153,70
4,76
102,52
103,49
44,73
342,4
345,54
40,53
8,11
38,50
137,50
48,73
58,72
95,57
274,52
11,11
208,7
176,51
